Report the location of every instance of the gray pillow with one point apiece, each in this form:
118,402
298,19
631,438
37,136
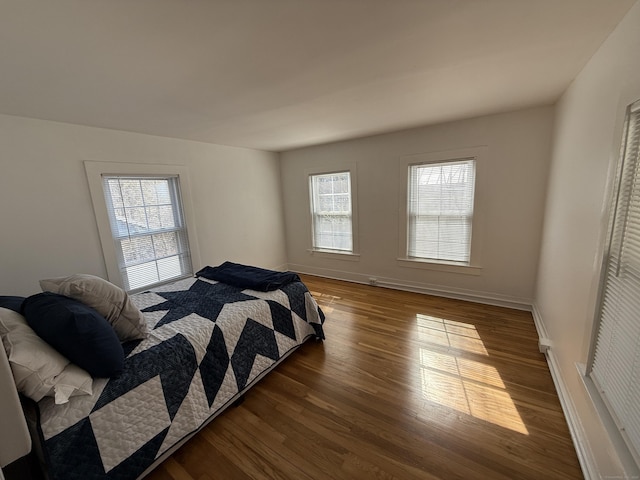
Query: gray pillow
107,299
38,369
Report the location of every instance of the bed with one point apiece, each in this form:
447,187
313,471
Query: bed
206,343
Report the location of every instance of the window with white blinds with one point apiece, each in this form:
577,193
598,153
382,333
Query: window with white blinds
331,211
440,210
615,367
148,228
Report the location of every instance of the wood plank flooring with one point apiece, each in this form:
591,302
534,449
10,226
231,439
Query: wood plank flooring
405,386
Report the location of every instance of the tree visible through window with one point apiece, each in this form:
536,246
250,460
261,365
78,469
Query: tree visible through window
440,210
148,228
332,211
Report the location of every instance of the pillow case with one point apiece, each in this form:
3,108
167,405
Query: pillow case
38,369
107,299
11,302
76,331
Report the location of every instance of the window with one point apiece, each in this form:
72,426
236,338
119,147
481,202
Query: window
148,229
331,211
615,363
440,210
143,213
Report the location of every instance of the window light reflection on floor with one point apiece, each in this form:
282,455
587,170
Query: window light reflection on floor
449,333
325,300
468,386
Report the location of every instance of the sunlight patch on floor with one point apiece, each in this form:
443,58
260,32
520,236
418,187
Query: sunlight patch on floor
449,333
324,301
468,386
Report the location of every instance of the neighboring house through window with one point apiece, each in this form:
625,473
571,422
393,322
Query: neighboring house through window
332,212
148,229
142,222
440,210
441,227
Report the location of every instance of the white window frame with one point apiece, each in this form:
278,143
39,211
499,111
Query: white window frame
352,255
97,170
610,330
473,267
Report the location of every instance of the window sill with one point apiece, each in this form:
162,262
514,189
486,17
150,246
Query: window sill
439,266
352,257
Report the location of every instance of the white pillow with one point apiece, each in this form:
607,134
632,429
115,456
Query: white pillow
38,369
104,297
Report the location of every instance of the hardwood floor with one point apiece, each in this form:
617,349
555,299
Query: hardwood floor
405,386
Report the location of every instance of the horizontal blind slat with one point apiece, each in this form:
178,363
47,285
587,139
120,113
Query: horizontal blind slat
440,209
331,205
148,229
616,357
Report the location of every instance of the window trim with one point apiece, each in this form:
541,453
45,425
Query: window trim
405,162
617,176
354,254
95,172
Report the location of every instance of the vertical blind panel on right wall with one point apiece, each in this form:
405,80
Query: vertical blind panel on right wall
616,363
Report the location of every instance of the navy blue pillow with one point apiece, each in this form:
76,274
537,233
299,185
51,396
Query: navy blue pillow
12,303
76,331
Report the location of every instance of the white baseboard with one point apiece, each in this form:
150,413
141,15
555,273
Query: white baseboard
537,319
544,342
578,435
417,287
280,268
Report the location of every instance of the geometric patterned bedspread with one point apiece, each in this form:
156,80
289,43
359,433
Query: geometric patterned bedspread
208,342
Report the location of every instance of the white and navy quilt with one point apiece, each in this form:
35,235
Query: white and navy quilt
209,341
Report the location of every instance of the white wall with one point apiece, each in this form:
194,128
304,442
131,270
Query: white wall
512,191
48,226
586,144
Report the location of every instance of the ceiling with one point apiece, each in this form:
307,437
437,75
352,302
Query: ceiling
283,74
